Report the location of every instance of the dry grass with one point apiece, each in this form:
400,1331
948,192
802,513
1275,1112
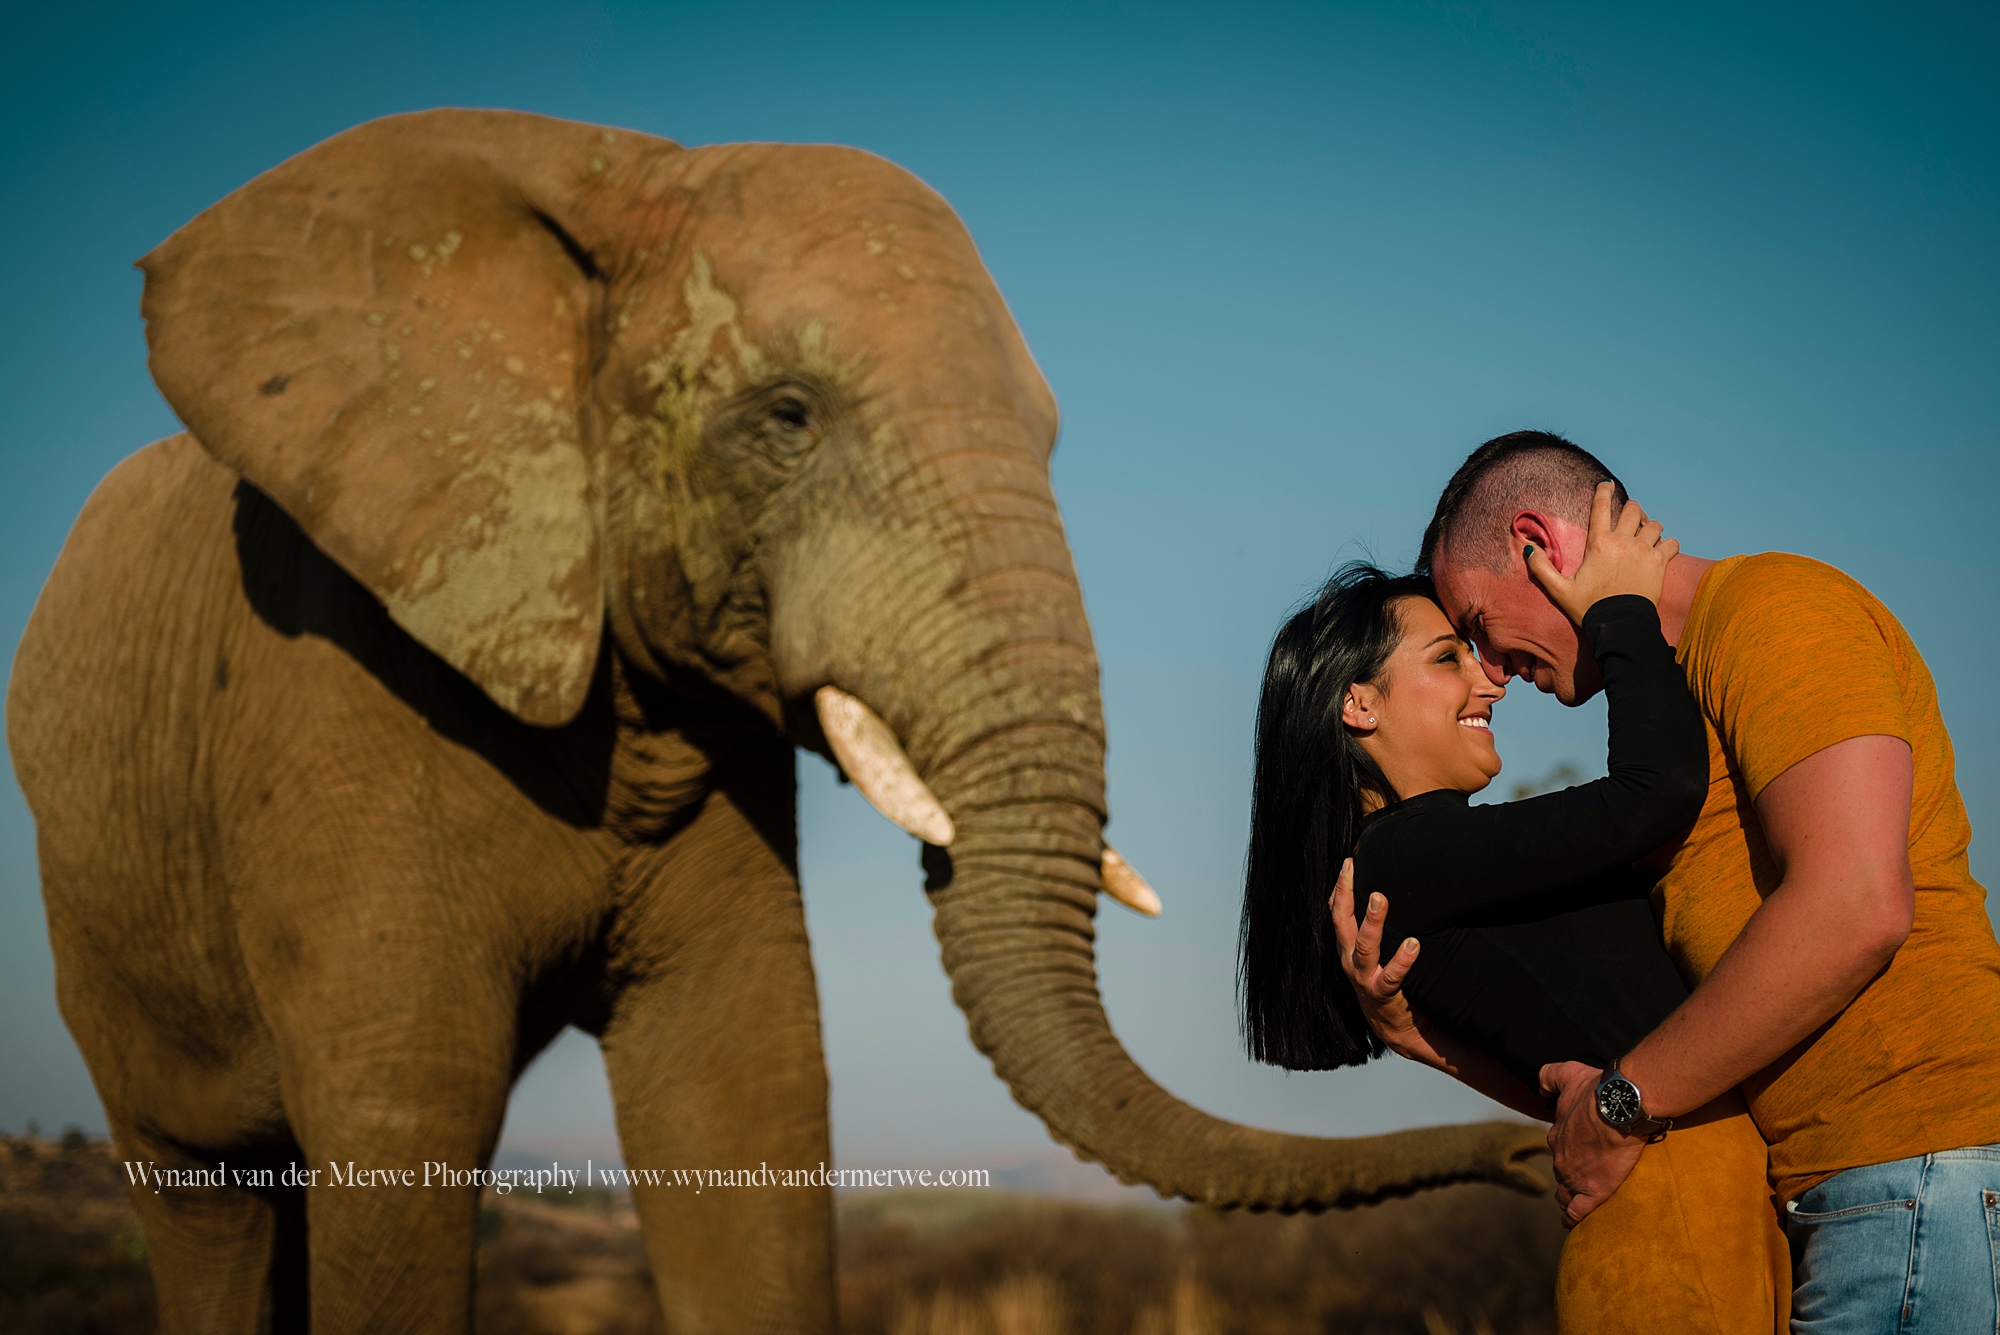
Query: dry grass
549,1269
72,1260
1463,1261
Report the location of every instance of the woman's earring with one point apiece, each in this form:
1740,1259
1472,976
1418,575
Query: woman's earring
1371,718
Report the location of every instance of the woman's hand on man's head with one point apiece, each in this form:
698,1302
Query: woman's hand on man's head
1624,553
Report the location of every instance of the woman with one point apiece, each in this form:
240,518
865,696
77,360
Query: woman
1530,934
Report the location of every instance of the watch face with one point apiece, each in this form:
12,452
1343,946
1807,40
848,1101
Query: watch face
1618,1101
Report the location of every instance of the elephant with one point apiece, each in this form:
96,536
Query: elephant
544,489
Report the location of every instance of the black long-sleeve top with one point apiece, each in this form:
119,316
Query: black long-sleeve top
1539,943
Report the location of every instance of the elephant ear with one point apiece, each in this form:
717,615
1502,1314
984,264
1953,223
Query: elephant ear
392,335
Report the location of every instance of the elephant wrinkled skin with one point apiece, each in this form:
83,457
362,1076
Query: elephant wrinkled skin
439,688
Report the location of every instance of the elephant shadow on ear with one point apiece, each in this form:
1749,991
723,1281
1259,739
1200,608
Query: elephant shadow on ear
567,771
296,589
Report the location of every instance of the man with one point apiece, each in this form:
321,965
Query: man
1845,971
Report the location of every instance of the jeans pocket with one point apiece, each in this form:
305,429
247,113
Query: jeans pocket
1851,1267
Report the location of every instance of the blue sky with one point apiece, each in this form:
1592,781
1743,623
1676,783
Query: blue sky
1283,266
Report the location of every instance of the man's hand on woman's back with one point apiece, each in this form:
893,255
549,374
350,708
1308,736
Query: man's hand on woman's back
1379,989
1378,986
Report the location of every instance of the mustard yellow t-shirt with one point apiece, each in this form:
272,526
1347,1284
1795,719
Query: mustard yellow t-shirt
1787,657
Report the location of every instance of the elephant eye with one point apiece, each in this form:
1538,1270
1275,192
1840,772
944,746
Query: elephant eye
783,422
791,415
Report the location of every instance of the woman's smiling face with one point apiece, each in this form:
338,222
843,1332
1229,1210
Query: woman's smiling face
1427,718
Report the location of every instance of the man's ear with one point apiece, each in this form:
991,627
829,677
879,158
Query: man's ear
1531,527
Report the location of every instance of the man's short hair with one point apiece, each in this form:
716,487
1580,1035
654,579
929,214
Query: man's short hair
1522,470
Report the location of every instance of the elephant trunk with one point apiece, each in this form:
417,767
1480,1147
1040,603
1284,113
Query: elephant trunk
1015,925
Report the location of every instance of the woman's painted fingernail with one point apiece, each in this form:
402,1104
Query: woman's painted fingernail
1528,552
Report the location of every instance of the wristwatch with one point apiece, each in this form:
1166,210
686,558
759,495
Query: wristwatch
1619,1104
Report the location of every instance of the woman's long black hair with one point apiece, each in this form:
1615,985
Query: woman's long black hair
1305,817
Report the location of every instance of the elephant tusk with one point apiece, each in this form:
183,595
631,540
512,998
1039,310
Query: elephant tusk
1127,886
868,751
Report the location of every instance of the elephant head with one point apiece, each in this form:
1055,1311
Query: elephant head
755,419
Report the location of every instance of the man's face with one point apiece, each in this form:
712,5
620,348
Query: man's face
1518,631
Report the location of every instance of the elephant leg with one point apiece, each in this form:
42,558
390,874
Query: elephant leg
715,1061
397,1256
225,1259
400,1254
394,1053
186,1085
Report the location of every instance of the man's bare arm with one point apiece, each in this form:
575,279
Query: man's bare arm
1838,825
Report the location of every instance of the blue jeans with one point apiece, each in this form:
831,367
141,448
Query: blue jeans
1904,1248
